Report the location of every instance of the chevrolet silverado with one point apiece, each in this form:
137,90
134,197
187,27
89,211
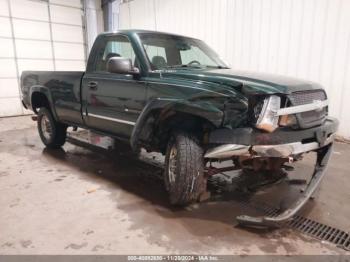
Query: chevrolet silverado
173,94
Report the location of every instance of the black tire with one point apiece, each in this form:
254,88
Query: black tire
54,135
186,182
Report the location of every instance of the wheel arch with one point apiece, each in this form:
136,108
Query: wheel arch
41,97
161,116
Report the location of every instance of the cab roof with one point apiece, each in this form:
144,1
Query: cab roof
130,32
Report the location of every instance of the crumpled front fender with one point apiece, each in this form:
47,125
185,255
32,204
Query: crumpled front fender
201,109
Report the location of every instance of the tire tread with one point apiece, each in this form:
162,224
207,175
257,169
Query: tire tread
59,130
189,172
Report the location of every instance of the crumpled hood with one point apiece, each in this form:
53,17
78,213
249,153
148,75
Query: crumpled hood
244,81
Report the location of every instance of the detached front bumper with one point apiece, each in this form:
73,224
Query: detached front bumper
319,139
323,155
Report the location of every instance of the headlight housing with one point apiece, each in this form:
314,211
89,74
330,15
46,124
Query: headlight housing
288,121
264,113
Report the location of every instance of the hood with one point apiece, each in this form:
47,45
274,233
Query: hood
244,81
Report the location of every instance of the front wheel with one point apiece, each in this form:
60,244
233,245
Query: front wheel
184,166
52,133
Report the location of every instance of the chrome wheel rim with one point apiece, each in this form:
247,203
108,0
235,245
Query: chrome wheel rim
172,164
46,127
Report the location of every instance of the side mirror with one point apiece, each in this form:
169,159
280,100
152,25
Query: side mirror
121,65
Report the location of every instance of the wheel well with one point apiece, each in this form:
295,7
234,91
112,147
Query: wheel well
159,128
39,100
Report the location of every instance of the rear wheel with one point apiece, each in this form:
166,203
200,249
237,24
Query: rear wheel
184,166
52,133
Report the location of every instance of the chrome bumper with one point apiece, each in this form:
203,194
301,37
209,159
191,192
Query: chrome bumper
281,150
323,150
323,156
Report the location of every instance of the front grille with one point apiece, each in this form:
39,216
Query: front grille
309,118
307,97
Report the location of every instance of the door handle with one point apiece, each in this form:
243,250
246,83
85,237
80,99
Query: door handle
92,85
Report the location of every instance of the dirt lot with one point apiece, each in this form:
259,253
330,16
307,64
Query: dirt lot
82,201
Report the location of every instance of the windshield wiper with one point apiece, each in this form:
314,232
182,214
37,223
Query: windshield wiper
195,66
219,67
183,66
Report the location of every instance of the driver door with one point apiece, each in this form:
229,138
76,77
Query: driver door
112,102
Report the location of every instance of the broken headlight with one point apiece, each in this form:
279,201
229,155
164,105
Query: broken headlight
288,120
264,113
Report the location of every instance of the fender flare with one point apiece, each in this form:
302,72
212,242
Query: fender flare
166,104
45,91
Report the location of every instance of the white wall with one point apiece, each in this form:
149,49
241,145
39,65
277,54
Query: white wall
309,39
42,35
93,21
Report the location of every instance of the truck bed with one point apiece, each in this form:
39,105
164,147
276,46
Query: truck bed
62,89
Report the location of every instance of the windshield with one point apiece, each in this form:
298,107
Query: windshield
171,51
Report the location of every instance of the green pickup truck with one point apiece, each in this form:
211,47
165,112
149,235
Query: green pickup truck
173,94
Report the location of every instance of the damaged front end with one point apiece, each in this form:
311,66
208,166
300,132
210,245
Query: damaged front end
284,129
323,155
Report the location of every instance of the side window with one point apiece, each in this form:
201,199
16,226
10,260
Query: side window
116,46
156,55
